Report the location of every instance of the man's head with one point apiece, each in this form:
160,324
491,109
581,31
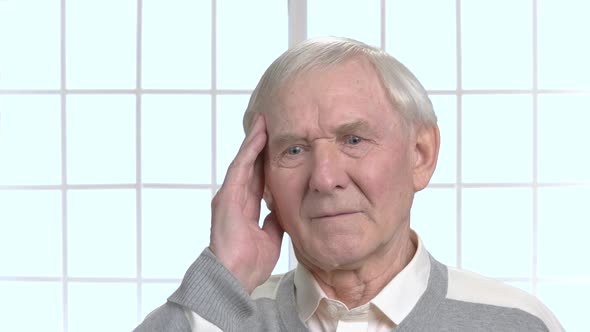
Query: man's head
404,90
348,146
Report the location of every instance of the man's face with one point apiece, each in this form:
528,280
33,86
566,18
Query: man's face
339,166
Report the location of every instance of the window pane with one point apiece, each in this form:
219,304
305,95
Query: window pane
446,112
30,140
563,48
176,139
564,225
360,20
20,314
563,138
497,138
98,307
101,44
250,35
497,44
431,54
101,139
176,44
568,301
175,230
30,39
494,216
101,233
25,252
434,218
155,295
230,132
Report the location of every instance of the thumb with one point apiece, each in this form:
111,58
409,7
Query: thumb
273,228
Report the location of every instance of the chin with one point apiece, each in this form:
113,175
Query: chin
343,255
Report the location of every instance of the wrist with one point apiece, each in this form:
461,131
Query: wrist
244,272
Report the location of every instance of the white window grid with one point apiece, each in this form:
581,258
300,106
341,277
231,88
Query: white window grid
297,32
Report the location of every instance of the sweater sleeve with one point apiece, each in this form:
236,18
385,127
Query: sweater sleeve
214,295
210,298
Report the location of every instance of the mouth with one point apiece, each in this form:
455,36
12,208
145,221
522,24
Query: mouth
334,215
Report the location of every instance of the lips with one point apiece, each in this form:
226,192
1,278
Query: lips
333,214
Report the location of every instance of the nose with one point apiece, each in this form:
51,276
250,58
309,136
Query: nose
328,172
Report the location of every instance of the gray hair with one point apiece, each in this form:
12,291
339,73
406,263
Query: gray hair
406,94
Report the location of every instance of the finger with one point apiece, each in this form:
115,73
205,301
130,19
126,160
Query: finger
258,125
241,170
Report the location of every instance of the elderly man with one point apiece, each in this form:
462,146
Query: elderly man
339,138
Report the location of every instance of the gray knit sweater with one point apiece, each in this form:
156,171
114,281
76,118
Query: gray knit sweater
212,292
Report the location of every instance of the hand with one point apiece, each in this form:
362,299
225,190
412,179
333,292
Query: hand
246,250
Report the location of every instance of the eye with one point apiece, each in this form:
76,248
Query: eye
294,150
353,140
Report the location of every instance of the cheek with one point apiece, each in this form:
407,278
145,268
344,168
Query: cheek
386,175
287,188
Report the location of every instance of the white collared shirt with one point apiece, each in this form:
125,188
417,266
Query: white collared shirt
321,313
382,313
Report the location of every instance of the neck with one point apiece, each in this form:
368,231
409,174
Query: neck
355,287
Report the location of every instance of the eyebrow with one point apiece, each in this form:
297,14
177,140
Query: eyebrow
353,127
284,139
346,128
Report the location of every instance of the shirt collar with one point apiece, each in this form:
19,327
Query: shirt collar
308,293
402,293
396,300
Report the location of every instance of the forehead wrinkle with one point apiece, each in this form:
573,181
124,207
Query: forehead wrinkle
331,104
359,126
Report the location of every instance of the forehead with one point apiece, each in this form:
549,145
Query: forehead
328,97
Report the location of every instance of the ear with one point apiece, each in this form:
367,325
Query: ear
267,196
425,155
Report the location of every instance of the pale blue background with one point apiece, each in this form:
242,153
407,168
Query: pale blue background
88,232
